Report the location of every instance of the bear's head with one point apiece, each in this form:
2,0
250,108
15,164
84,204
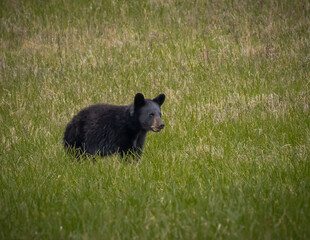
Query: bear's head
148,112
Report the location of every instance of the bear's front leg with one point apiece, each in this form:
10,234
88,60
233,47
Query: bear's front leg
140,144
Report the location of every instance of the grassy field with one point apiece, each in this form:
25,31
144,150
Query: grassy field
233,161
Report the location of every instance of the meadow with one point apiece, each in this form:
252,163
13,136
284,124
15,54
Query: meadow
233,161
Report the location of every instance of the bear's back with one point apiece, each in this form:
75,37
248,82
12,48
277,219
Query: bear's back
103,113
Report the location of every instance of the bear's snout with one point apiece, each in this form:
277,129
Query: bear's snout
157,125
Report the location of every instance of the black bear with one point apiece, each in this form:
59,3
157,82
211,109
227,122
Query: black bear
106,129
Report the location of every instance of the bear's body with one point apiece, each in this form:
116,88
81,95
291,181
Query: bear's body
106,129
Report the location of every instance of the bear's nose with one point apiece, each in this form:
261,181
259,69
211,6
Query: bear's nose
161,126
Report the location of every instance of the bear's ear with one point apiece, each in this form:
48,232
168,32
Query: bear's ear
139,101
160,99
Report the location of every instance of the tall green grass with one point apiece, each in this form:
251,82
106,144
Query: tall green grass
233,159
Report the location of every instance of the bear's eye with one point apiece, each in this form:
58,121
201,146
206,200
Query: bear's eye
151,114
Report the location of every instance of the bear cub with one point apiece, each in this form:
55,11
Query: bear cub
106,129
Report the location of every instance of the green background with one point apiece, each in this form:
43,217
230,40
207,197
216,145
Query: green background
233,159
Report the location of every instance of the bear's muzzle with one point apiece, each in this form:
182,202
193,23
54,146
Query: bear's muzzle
157,124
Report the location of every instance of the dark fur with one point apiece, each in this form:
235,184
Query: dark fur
106,129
